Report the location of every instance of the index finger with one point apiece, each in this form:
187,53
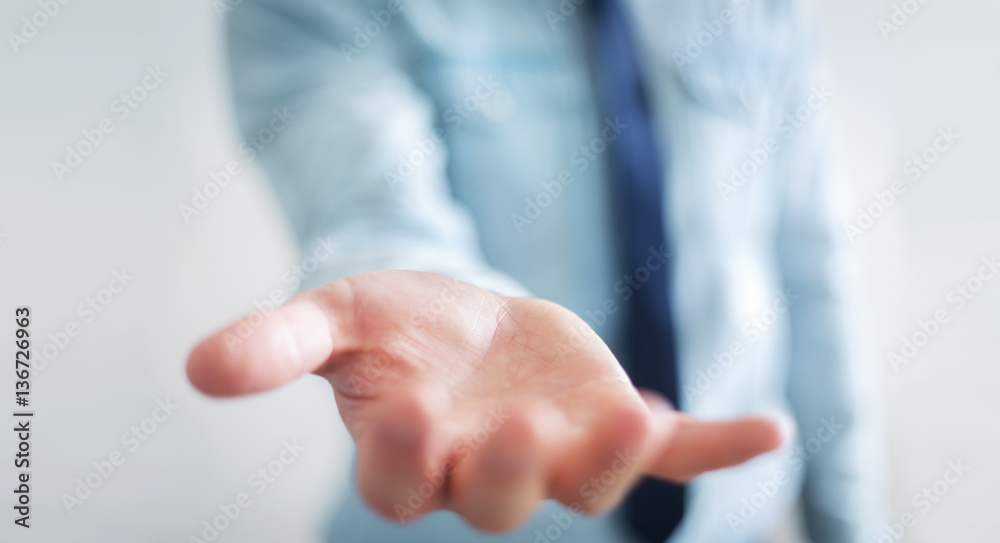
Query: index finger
694,447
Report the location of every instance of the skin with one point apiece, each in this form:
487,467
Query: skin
498,403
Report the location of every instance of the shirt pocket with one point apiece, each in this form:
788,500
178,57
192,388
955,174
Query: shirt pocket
732,56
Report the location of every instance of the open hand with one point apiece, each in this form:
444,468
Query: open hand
464,400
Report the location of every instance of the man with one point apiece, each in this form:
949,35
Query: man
575,179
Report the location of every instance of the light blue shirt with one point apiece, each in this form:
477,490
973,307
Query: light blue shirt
463,137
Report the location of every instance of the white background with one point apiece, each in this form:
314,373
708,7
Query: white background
63,239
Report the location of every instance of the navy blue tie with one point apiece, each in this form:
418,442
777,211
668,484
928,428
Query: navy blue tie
637,172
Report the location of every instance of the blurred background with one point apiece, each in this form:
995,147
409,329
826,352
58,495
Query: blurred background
117,214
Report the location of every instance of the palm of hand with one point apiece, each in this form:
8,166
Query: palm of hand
461,399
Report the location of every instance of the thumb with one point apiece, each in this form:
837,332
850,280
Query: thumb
295,339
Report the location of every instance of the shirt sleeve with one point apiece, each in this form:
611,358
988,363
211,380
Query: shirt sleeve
832,386
337,76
